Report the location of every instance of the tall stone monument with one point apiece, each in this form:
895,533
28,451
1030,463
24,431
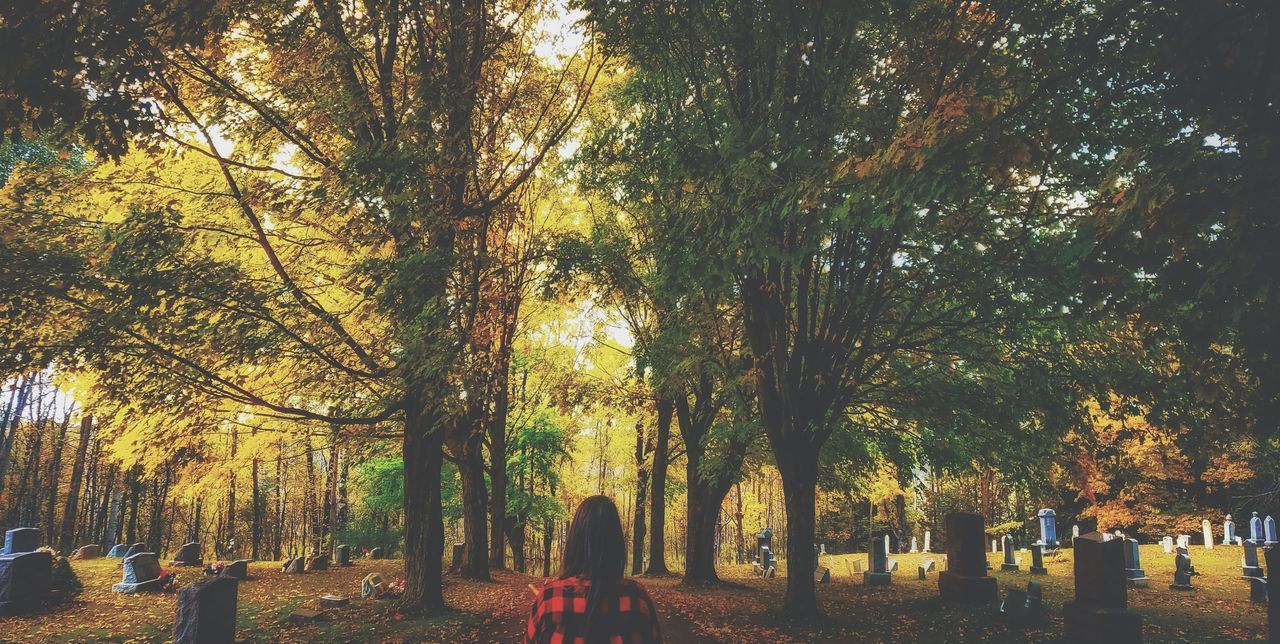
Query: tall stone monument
206,612
878,564
1206,529
1133,572
966,579
1228,531
1048,528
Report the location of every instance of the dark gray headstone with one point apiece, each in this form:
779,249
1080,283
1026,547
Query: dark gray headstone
455,563
1133,572
1257,590
296,565
20,540
135,549
1251,567
1010,559
206,612
344,555
25,581
377,553
965,579
141,573
878,564
1037,560
320,562
238,569
1183,571
188,555
1100,612
1024,607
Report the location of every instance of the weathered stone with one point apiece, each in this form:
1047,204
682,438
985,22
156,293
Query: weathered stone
1257,590
344,555
296,565
877,573
307,616
372,587
1255,529
141,573
238,569
1228,531
206,612
20,540
1251,567
1133,572
188,555
965,579
25,581
926,567
1206,531
135,549
821,575
1100,612
1024,608
1183,571
1010,563
455,562
377,553
91,551
333,601
1037,560
318,563
1269,531
118,551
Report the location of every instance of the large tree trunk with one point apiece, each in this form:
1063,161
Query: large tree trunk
67,537
799,469
516,532
547,535
658,500
331,494
423,517
498,472
700,554
475,559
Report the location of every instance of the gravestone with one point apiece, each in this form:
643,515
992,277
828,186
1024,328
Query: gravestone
135,549
188,555
926,541
1206,530
913,545
1010,564
1269,531
320,562
1228,531
1037,560
1273,600
1133,565
1024,608
821,575
371,587
892,565
295,566
857,566
333,601
206,612
877,573
91,551
1099,612
1184,540
1255,529
1257,590
1048,528
768,561
238,569
886,543
1187,552
455,562
1075,532
377,553
25,581
994,546
118,551
965,579
344,555
927,567
20,540
141,573
1167,543
307,616
1250,566
763,540
1183,572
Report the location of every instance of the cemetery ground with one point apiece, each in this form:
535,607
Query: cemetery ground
743,609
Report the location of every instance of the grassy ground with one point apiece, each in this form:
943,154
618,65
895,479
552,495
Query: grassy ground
745,608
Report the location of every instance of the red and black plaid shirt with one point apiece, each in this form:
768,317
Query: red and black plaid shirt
559,614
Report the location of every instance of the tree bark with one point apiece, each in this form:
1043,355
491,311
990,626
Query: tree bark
423,516
67,538
475,564
642,484
55,473
799,469
658,500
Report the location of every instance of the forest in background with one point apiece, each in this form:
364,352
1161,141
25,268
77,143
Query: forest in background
413,274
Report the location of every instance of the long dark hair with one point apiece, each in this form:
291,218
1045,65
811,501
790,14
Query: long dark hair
595,549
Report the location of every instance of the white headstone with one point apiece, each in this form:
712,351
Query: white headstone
994,547
886,544
1208,534
822,549
913,545
1075,531
1184,540
1167,542
1239,540
926,541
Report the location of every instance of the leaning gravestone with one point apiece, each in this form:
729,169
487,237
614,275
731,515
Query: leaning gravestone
188,555
1037,560
1100,612
1273,600
878,565
91,551
238,569
135,549
20,540
295,566
206,612
1183,571
1010,564
1228,531
1206,530
1133,572
821,575
344,555
965,579
118,551
378,553
1024,608
141,573
1048,528
927,567
25,581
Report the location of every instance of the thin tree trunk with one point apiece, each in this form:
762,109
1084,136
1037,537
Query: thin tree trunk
67,538
658,497
643,447
55,473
